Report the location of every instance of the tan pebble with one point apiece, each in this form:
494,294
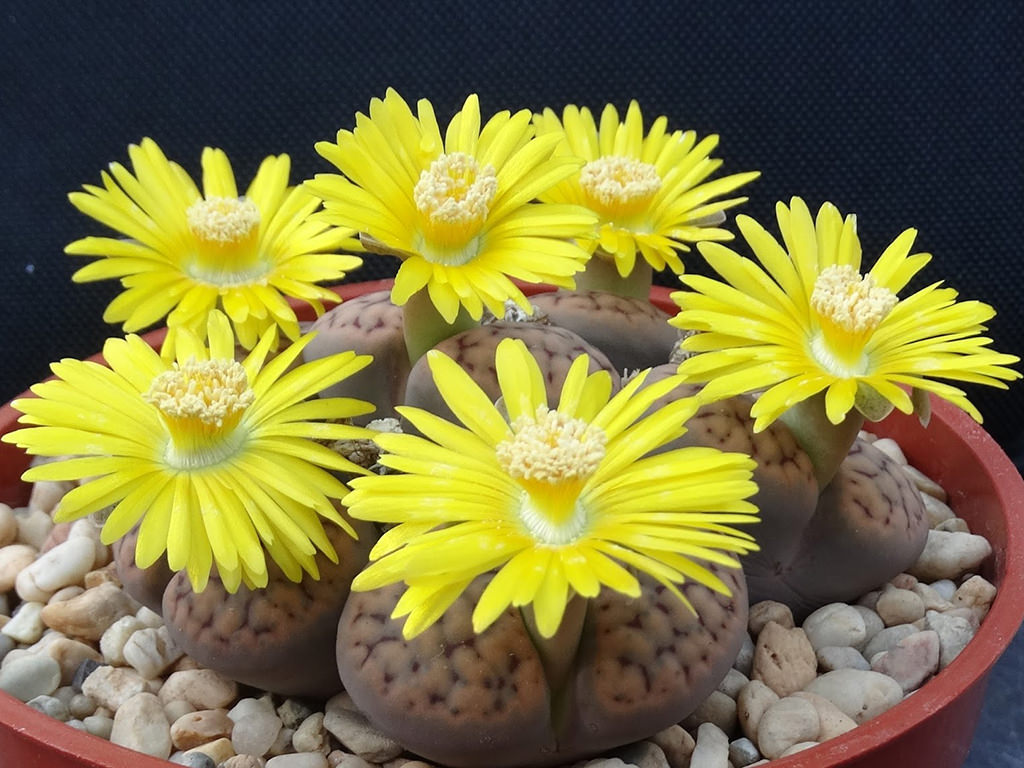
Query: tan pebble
14,558
754,698
834,722
800,747
899,606
643,754
185,664
677,744
354,732
112,686
202,688
90,614
197,728
65,594
925,484
218,750
70,654
47,493
769,610
8,525
57,535
784,659
26,625
785,723
933,601
718,708
106,574
953,525
310,736
242,761
977,594
903,581
341,760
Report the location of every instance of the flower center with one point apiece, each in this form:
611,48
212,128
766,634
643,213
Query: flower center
201,403
454,198
849,307
551,456
619,187
227,232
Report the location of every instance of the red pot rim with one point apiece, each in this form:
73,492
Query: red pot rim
995,477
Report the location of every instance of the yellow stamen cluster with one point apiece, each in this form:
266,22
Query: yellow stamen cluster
851,302
849,308
454,197
619,187
201,403
227,232
552,455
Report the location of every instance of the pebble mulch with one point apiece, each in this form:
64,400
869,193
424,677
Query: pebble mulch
74,646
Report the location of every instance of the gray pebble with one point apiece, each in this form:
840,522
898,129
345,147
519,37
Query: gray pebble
888,638
743,752
50,706
7,645
833,657
194,760
745,658
945,587
835,624
85,669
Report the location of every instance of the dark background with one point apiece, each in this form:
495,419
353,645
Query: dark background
901,113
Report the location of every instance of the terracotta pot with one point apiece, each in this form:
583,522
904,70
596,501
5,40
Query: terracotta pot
932,727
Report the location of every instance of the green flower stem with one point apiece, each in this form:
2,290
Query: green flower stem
826,444
558,652
424,327
601,274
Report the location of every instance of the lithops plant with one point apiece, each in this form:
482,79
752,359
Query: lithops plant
554,348
653,197
369,324
552,537
279,637
213,466
824,347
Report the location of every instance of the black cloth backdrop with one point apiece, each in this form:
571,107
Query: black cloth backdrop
899,112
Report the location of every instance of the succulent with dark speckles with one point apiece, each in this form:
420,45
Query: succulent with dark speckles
281,637
469,700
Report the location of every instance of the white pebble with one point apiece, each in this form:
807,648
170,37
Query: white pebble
311,736
202,688
140,724
29,675
116,635
954,633
301,760
925,484
892,449
836,624
26,626
833,657
937,511
34,525
14,558
46,494
151,651
785,723
255,733
947,555
112,686
149,617
977,594
99,725
712,750
61,566
353,731
860,695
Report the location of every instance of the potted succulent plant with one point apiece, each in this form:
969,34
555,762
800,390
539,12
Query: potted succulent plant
545,559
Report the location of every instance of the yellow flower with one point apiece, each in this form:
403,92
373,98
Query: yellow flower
558,501
649,191
459,211
218,459
809,321
187,252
